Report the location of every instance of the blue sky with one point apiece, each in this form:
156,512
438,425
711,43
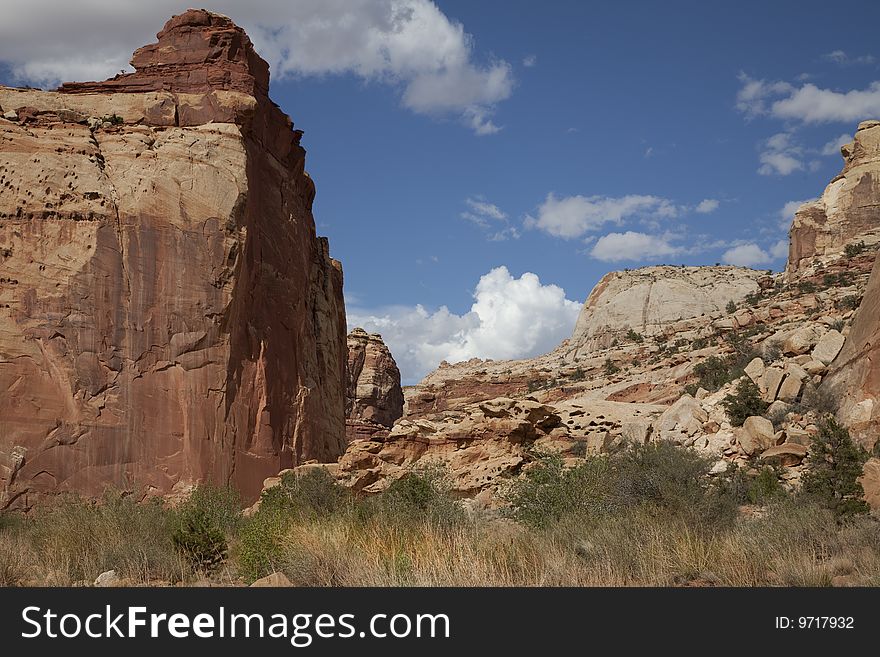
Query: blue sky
480,165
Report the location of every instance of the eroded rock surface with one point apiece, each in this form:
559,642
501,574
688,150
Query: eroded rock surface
167,313
847,213
373,396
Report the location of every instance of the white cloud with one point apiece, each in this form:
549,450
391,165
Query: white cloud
833,146
746,255
808,103
754,94
409,44
780,156
488,216
707,205
573,216
787,212
530,61
780,249
510,318
841,58
615,247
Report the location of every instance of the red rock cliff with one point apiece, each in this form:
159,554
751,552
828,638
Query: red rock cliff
167,313
373,396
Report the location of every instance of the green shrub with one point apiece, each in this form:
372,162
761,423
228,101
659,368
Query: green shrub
610,367
421,496
699,343
300,498
854,249
806,287
660,477
744,402
834,465
766,487
578,374
849,302
731,307
712,373
201,525
548,492
632,336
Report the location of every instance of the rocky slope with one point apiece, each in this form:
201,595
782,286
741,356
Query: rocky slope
633,369
649,299
855,373
373,396
167,313
847,212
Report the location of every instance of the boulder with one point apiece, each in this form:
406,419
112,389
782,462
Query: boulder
802,339
755,435
770,382
828,347
870,481
755,370
681,421
786,454
275,580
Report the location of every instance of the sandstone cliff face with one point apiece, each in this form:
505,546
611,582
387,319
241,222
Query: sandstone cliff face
848,211
855,373
373,396
167,313
647,300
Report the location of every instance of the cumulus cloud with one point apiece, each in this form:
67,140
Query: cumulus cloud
707,205
780,156
833,146
616,247
786,214
409,44
746,255
753,95
573,216
807,103
780,249
510,318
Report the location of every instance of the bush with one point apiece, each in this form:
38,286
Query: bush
419,497
658,477
854,249
731,307
548,492
300,498
849,302
834,465
202,523
579,374
699,343
632,336
78,540
610,367
744,402
766,487
806,287
712,372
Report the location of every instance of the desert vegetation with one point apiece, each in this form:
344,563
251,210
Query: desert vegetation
648,515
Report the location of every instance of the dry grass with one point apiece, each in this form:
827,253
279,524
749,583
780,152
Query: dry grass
642,522
787,548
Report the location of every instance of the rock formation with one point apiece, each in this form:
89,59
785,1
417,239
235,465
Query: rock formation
855,374
373,396
649,299
167,313
847,213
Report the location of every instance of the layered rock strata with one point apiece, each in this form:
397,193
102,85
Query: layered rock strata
167,313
